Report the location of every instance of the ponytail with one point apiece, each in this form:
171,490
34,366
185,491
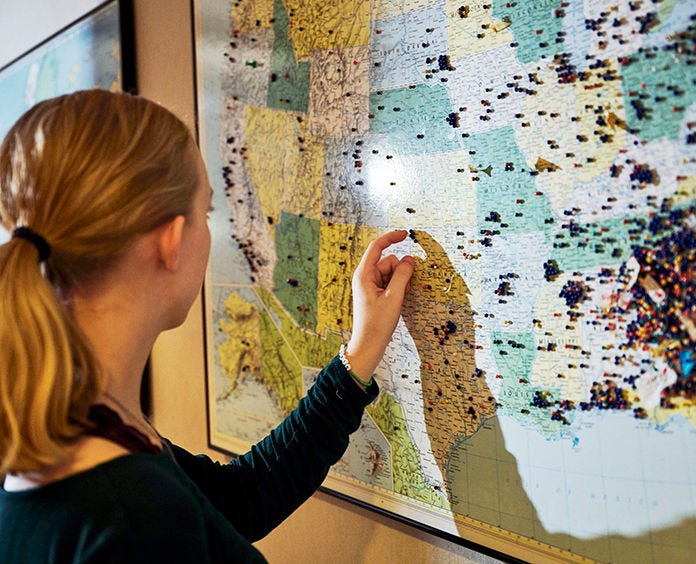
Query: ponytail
44,396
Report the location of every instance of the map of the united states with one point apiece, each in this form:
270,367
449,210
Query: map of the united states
540,384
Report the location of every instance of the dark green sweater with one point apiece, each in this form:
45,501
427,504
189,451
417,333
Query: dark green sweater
155,508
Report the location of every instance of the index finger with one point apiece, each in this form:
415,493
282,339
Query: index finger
377,246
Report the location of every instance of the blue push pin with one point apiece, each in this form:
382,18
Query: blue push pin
687,362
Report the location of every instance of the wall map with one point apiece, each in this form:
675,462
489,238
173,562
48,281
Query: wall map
539,389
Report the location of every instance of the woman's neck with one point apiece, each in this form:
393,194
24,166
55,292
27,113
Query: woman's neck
121,332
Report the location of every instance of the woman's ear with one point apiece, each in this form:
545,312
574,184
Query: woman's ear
169,242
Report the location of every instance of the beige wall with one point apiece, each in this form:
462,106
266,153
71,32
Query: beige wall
325,528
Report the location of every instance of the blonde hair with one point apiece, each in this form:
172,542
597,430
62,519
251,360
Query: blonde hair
89,172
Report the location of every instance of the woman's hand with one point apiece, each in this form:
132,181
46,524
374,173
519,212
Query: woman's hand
379,285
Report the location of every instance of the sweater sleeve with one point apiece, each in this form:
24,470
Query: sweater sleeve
258,490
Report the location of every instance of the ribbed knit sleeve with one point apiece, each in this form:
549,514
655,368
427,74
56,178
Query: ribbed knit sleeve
259,489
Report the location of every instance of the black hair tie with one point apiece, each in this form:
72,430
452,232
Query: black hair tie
35,239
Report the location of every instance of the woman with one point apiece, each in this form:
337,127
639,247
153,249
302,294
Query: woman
106,198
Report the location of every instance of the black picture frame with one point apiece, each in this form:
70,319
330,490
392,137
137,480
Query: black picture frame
483,537
115,18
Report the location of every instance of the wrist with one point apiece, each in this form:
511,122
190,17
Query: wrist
362,379
363,358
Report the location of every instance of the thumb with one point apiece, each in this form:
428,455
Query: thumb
401,276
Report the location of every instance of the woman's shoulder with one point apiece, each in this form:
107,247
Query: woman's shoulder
94,462
124,491
88,458
119,510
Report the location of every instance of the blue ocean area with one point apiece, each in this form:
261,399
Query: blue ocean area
614,475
